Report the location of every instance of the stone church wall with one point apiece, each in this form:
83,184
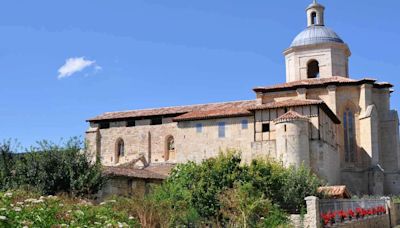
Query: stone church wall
196,146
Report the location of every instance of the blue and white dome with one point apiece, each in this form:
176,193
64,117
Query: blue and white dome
316,34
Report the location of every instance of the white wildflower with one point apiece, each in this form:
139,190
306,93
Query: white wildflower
8,194
3,218
17,209
61,205
29,200
25,227
41,197
131,218
64,225
79,212
97,223
3,209
38,201
120,225
20,203
102,203
109,225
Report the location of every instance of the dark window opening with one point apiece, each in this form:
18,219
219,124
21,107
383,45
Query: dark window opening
349,136
130,123
313,18
104,125
313,69
265,127
221,130
245,124
156,121
286,110
284,127
199,127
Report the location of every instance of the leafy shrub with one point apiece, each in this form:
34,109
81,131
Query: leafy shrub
50,169
261,189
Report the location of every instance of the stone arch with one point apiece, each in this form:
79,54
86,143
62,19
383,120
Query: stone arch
170,151
119,150
313,70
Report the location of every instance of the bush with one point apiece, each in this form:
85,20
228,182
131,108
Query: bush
24,209
262,189
51,169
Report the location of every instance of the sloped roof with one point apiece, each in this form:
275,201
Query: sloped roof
320,82
157,172
227,110
335,192
287,103
290,115
228,107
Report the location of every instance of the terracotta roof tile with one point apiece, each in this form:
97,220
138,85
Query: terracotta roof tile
337,192
287,103
226,110
158,172
317,82
178,110
290,115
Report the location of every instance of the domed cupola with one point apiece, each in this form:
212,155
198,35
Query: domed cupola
317,51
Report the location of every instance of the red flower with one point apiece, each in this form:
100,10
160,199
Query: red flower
350,212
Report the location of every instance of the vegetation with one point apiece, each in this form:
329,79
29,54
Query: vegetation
221,191
24,209
51,169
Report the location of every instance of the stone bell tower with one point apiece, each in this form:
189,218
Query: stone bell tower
317,52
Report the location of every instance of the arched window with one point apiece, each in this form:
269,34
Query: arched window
313,18
349,136
313,69
169,148
119,150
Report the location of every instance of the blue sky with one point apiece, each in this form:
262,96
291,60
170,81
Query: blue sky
153,53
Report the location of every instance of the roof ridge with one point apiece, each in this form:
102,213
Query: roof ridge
179,106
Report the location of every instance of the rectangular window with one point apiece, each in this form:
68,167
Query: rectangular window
199,128
221,130
130,123
156,121
104,125
245,124
265,127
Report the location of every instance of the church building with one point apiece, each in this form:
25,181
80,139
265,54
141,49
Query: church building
340,127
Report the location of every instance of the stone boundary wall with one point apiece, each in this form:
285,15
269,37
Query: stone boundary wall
312,219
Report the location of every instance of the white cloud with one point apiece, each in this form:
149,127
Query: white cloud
73,65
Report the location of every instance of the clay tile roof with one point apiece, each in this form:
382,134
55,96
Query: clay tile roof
177,110
287,103
336,192
318,82
220,111
291,115
158,172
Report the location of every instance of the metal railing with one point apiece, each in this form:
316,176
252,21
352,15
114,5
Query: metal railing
332,205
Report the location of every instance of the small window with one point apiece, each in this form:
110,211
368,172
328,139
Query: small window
314,18
156,121
221,129
130,123
313,69
245,124
265,127
104,125
199,128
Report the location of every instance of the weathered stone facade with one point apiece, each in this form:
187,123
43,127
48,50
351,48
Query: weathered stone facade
342,128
